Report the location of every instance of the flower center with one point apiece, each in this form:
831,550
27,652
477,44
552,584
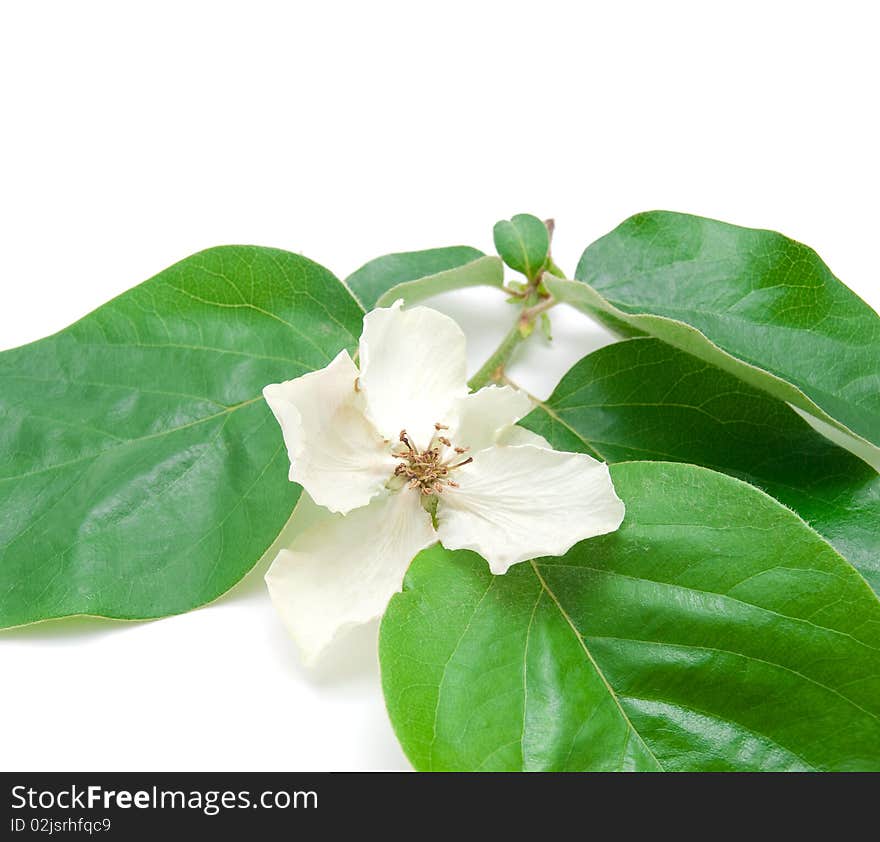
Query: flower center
429,470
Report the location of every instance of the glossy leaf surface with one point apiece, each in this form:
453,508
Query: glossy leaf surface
754,303
713,631
141,472
644,399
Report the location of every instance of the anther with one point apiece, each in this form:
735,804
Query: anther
428,470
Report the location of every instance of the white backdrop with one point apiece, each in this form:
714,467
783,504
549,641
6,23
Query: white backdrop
136,134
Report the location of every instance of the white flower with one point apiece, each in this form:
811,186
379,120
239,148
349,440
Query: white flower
378,450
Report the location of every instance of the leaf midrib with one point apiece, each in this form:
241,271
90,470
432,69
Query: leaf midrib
140,439
631,729
594,451
594,446
582,643
520,241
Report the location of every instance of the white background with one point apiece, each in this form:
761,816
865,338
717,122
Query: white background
134,134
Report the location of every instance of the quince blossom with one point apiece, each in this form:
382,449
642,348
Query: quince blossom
397,455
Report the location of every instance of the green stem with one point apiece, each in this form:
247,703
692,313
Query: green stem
529,314
493,369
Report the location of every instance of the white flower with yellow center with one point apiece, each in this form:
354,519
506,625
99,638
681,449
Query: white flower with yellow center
398,455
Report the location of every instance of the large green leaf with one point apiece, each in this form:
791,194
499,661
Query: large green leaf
141,472
374,279
713,631
644,399
755,303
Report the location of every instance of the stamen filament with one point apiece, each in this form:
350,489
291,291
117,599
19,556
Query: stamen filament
428,470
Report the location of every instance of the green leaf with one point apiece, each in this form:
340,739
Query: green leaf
141,472
644,399
375,278
523,243
755,303
713,631
484,271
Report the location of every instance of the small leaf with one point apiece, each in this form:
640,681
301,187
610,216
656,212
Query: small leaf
644,399
375,278
713,632
141,472
754,303
523,243
546,327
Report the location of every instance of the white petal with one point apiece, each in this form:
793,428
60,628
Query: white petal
306,514
340,571
335,452
522,502
514,435
412,370
482,415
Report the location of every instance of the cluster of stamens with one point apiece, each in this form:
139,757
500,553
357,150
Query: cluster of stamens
429,470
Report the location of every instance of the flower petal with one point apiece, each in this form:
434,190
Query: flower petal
483,414
335,452
413,369
340,571
520,502
514,435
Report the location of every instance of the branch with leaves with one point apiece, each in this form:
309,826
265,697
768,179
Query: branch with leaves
662,566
